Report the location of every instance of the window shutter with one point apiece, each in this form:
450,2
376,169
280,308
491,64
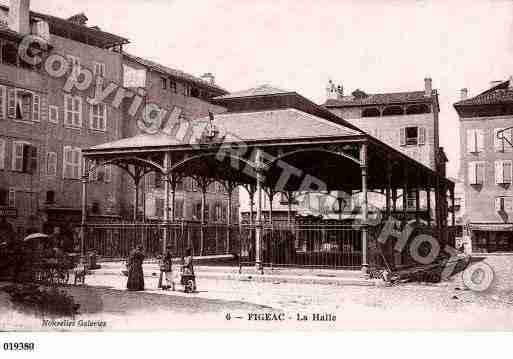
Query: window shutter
480,140
66,159
506,171
2,154
497,204
11,103
498,172
498,143
402,136
3,102
422,135
472,173
508,204
471,141
36,108
480,166
12,197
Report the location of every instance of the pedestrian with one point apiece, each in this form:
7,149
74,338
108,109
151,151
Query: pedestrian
135,280
166,271
187,266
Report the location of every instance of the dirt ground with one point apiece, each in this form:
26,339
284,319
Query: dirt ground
234,305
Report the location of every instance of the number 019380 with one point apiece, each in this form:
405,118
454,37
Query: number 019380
19,346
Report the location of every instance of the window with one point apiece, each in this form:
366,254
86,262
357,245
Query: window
417,109
476,173
99,69
9,54
504,204
411,200
370,112
412,136
51,164
164,83
98,117
72,111
2,154
185,90
194,185
17,156
24,157
3,102
159,207
502,172
71,163
500,140
50,197
23,105
95,208
172,86
475,140
53,116
194,92
4,197
74,63
393,111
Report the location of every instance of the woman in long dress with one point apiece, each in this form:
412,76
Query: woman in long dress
135,271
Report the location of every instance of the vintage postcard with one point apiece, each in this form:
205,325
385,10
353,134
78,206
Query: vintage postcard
255,165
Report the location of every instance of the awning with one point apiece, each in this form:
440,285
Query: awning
491,227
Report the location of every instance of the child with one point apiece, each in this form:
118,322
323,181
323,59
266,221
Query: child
166,268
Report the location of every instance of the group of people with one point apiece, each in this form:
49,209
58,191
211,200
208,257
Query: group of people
168,276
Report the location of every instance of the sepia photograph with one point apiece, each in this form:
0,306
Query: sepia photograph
241,166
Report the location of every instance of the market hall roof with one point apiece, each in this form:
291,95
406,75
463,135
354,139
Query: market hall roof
266,122
282,124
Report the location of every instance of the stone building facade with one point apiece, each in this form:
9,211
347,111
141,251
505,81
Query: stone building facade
406,121
486,166
43,126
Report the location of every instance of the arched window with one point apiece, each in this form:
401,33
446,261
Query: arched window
417,109
370,112
393,111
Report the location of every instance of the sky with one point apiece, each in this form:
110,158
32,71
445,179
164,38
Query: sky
374,45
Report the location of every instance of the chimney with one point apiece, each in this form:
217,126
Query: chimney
19,16
209,78
428,87
463,93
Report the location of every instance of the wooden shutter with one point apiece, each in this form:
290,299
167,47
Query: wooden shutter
498,172
402,136
472,172
11,102
480,140
12,197
66,162
498,143
480,173
497,204
506,171
422,135
2,154
3,102
471,141
36,108
508,204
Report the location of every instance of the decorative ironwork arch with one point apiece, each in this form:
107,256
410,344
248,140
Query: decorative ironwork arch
315,149
122,163
203,155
